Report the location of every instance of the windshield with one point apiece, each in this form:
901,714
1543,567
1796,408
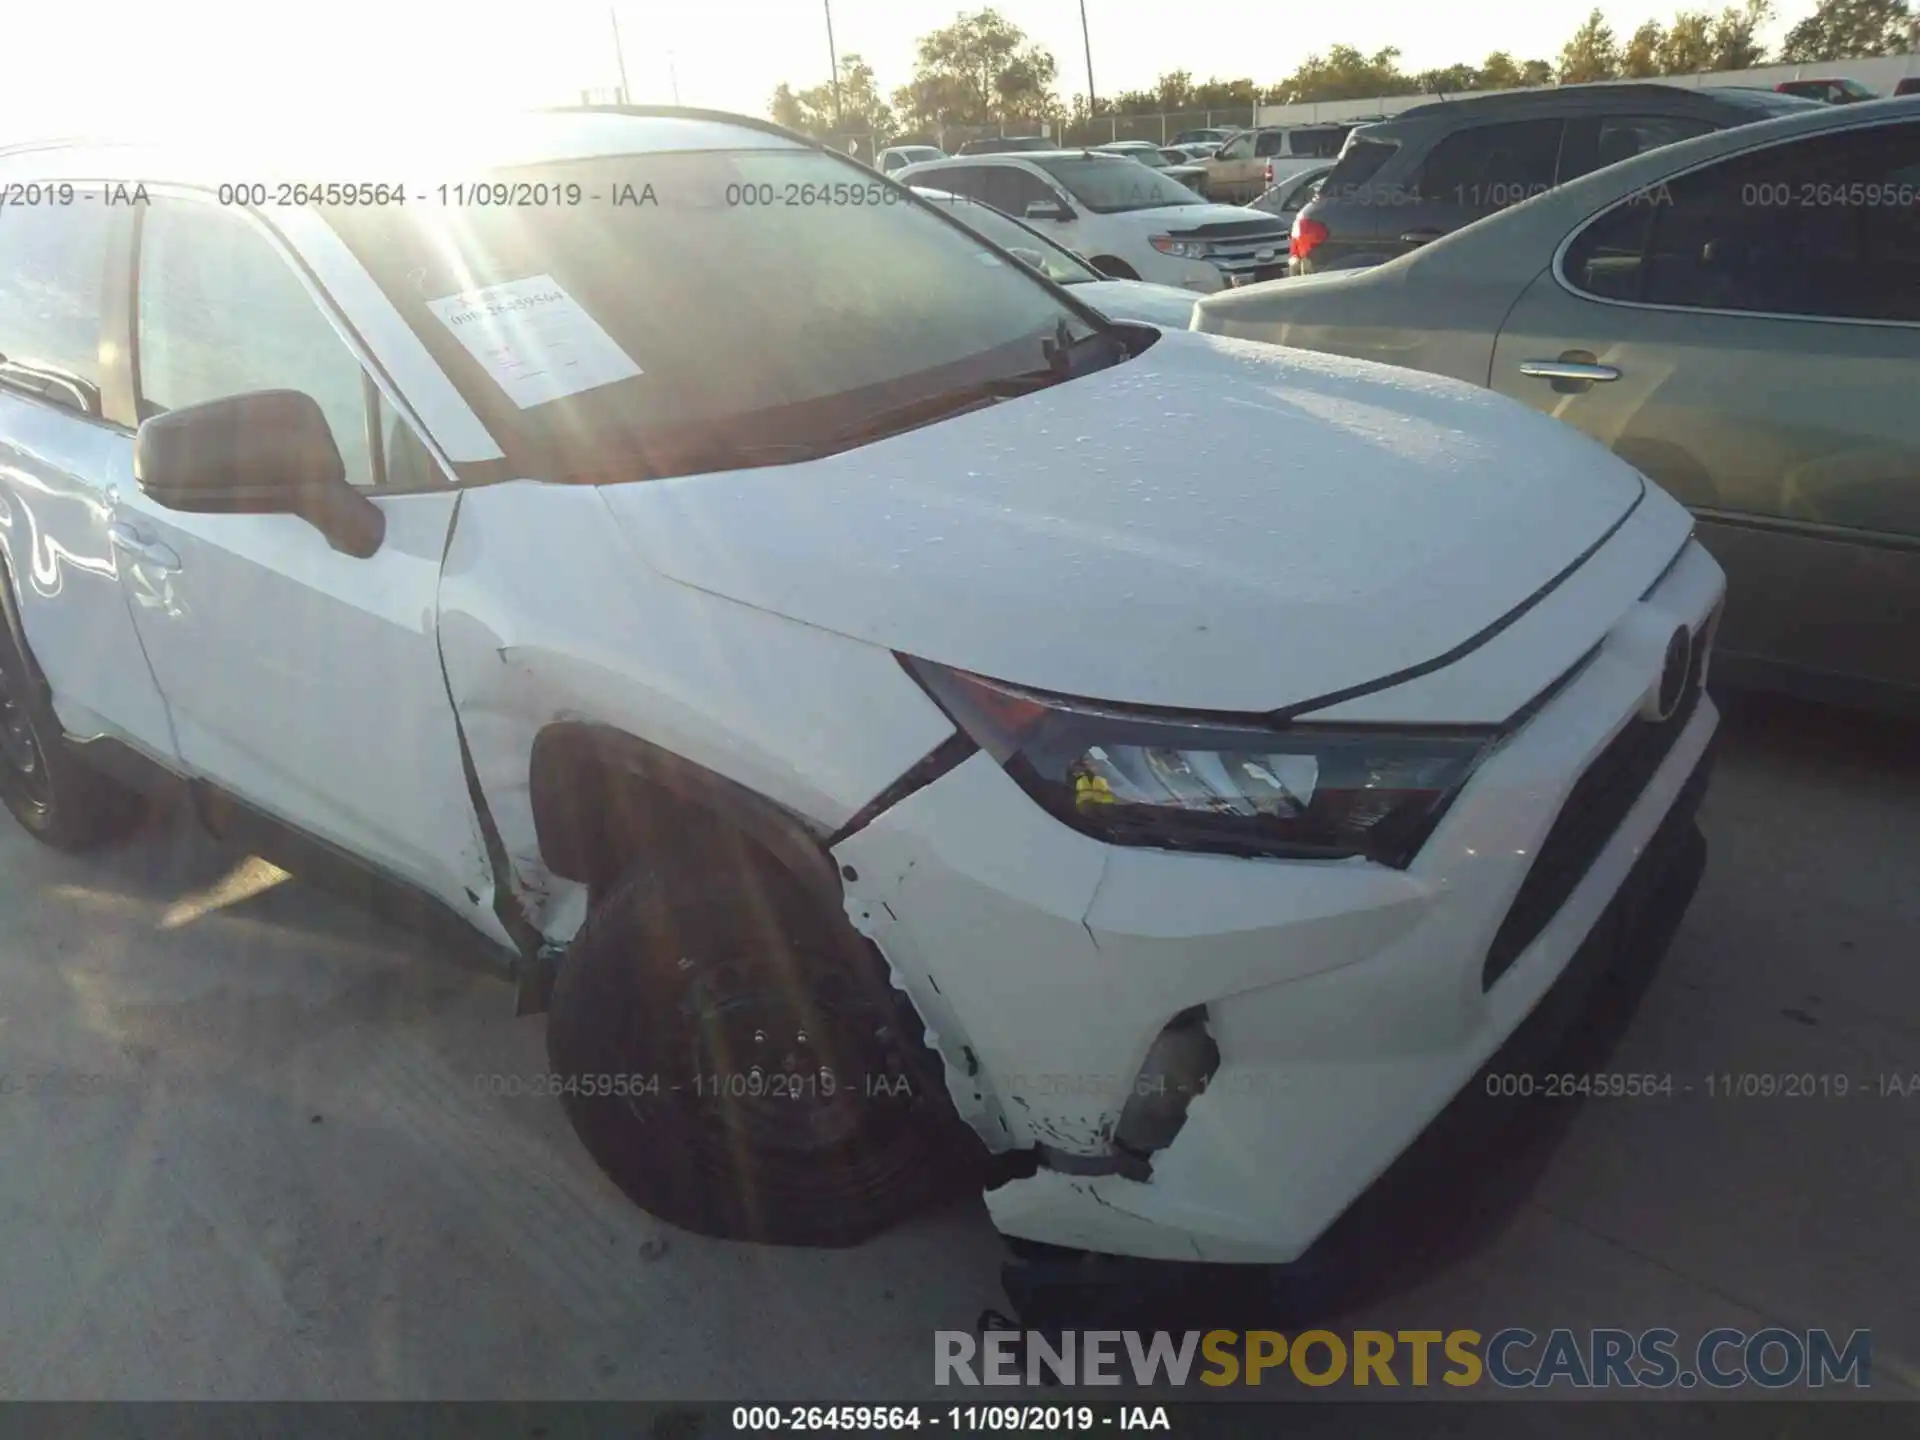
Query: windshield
1147,155
649,311
1060,265
1112,184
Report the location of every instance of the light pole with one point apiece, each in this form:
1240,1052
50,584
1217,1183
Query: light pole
833,59
620,54
1087,41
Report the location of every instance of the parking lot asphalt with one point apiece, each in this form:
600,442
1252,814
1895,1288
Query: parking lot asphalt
247,1149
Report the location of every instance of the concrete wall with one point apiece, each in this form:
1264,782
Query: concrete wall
1877,75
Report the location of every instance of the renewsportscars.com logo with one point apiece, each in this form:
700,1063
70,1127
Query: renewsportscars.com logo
1773,1358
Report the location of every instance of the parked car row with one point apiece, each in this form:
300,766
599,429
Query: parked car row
903,724
1737,315
1404,182
1130,221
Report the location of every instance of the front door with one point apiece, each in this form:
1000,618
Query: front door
304,681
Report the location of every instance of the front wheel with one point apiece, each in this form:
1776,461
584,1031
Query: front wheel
1114,268
729,1057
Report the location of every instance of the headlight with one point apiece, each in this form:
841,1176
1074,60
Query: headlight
1200,782
1185,249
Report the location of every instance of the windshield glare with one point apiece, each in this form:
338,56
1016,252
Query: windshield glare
663,303
1112,184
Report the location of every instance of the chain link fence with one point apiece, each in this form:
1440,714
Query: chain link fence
1099,130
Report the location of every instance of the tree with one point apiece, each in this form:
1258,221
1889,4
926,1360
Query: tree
977,71
812,111
1849,30
1174,91
1498,72
1343,73
1736,36
1641,59
1536,72
1687,46
1591,54
1450,81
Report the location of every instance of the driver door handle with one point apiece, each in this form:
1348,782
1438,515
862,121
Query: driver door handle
1420,237
129,541
1567,370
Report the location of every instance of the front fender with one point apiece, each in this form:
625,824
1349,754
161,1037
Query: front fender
548,618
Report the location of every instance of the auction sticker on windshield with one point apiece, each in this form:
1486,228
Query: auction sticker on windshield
533,340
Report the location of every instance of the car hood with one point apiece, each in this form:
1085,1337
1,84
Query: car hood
1178,218
1213,524
1137,300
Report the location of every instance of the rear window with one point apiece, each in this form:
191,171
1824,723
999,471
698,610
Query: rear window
53,260
1359,162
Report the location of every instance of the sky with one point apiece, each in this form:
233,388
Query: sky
117,64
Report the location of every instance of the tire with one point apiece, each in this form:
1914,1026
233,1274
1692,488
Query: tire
685,989
1114,269
56,796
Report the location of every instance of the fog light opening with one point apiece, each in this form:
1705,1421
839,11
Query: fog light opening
1179,1063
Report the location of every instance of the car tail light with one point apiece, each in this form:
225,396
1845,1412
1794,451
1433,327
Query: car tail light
1267,174
1307,233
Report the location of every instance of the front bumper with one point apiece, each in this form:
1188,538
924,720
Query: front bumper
1349,1003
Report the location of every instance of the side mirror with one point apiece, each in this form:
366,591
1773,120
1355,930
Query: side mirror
264,453
1048,210
1032,259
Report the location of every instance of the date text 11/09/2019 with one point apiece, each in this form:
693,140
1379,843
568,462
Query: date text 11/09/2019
959,1419
1717,1085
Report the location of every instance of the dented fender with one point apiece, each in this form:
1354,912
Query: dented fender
547,617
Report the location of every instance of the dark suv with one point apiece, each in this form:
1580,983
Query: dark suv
1432,169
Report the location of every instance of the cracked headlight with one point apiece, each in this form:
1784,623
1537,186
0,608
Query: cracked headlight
1236,785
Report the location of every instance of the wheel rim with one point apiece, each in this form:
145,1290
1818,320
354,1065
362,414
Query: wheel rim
24,762
800,1063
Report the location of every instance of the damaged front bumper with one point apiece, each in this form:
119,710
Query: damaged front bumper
1312,1018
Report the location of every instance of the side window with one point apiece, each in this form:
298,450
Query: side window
221,313
1010,189
1492,166
1624,136
1828,226
1606,260
1594,144
53,261
968,180
1319,144
1271,142
1238,148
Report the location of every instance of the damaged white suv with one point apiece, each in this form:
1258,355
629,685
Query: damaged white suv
901,721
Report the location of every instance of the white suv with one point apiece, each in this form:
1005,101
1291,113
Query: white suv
901,721
1132,222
